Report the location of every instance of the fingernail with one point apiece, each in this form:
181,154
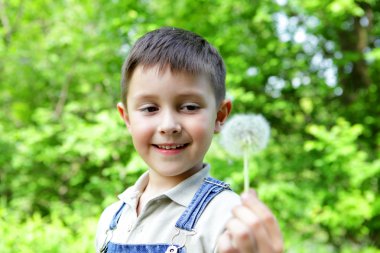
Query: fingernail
248,195
244,195
253,192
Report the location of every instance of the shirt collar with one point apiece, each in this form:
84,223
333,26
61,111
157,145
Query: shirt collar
181,193
184,191
131,195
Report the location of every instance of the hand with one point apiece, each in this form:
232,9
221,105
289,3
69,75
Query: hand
252,229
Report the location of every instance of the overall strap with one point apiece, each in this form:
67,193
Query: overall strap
111,228
208,190
116,217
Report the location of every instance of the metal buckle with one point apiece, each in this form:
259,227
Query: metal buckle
109,234
183,242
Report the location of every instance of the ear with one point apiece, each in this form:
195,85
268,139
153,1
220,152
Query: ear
222,114
123,113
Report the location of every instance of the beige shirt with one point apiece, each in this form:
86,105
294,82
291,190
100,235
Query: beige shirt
156,222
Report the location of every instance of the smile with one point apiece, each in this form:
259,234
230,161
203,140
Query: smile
171,147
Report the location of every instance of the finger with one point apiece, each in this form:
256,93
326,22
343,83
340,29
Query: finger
250,200
224,244
263,240
255,225
241,236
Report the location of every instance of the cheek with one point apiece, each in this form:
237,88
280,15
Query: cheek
140,132
202,128
141,141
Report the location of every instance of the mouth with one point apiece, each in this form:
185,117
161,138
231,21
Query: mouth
170,146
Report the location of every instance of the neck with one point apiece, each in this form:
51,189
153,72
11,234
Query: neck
159,184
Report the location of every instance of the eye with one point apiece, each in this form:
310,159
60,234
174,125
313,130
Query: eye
190,107
149,109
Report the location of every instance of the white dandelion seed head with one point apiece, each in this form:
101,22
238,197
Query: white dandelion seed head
245,133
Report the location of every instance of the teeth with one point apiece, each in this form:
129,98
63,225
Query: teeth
171,147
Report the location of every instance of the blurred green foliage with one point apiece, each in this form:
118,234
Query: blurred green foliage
310,67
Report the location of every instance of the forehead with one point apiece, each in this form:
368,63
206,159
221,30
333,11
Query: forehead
155,77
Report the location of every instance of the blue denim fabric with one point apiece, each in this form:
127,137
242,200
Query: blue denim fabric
139,248
116,217
187,221
209,189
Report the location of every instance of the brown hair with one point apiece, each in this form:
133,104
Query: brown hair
181,51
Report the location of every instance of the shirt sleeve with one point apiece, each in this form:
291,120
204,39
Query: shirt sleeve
212,222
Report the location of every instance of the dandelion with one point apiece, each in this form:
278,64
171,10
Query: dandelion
245,135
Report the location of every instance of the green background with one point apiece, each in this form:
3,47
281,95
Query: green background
310,67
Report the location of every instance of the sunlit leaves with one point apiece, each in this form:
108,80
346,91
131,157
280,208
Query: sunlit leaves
62,144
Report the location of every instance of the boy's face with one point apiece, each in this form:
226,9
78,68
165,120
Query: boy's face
172,119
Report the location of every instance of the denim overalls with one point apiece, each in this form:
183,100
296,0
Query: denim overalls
185,224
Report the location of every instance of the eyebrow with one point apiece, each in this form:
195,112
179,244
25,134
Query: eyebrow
144,96
191,94
185,94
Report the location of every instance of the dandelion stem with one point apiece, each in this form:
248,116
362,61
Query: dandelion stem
246,170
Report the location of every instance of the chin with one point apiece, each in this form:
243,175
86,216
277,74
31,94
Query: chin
171,171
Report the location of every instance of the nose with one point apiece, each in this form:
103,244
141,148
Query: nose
169,124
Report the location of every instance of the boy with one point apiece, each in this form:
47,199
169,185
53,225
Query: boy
173,101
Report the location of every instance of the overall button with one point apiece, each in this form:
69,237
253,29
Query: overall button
172,249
